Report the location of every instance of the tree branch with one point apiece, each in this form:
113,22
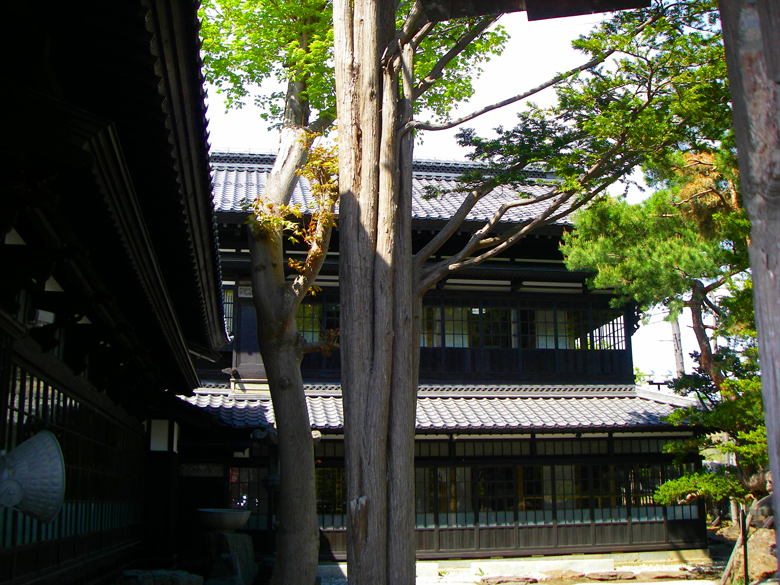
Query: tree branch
415,125
457,49
451,227
431,275
411,26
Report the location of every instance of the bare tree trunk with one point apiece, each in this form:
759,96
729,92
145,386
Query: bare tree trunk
678,350
725,577
297,533
753,57
403,399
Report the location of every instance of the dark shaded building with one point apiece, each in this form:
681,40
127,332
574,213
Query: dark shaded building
109,274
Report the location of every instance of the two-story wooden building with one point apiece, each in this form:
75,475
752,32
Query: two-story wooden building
531,436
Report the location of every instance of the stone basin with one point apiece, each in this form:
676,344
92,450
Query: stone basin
223,519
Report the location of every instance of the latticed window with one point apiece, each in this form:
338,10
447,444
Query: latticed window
461,327
573,327
309,322
103,461
534,495
610,331
498,328
430,327
331,497
495,495
247,492
572,494
425,496
228,304
645,479
537,328
456,506
609,492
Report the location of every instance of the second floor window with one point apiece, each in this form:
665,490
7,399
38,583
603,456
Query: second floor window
316,317
495,324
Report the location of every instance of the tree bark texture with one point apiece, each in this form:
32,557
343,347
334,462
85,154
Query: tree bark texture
376,317
276,303
752,43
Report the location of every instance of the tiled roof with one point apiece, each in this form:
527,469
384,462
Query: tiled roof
242,178
515,413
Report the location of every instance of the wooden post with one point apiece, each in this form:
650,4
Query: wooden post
745,528
753,57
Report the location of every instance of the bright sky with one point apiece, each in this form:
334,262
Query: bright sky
535,52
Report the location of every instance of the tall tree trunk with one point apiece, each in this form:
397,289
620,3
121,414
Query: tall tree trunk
403,398
297,534
753,57
375,275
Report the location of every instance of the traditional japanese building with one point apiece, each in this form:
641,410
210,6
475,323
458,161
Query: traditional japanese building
532,438
109,275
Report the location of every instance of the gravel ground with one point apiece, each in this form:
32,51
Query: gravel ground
464,576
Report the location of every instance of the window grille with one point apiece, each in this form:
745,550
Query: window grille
314,318
228,304
456,505
331,497
609,492
610,332
571,494
645,479
497,328
104,462
534,495
309,321
461,327
495,495
248,492
425,497
430,327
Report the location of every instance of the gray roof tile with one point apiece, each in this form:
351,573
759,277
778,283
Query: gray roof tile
464,414
233,184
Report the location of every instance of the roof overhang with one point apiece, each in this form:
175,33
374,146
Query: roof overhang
437,10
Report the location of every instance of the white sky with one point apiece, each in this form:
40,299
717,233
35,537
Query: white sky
535,52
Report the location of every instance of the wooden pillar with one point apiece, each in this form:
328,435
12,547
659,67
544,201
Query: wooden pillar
750,30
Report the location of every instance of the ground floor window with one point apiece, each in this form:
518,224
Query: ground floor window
331,497
249,491
469,495
529,495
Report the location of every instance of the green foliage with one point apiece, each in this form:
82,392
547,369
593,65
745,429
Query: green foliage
248,42
732,424
649,252
662,90
321,169
700,484
266,218
456,82
640,377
